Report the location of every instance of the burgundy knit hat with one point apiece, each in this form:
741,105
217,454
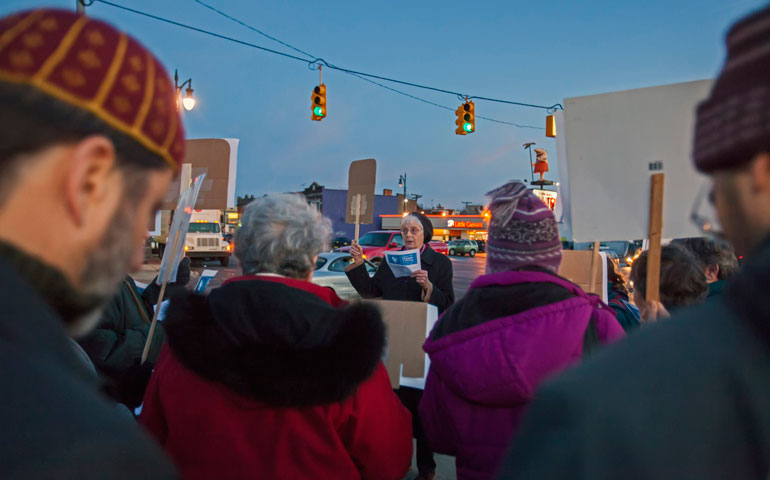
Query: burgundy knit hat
522,231
733,124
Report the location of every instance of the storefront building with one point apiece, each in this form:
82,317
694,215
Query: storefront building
448,227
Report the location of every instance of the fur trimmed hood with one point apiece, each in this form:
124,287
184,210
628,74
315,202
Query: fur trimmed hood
275,343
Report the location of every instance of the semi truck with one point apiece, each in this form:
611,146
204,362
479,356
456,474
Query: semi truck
204,240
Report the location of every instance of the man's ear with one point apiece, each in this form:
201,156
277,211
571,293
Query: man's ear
760,172
89,175
712,273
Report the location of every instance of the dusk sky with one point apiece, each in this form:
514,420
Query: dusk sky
531,52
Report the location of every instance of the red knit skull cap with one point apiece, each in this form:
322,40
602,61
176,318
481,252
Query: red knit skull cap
733,124
92,66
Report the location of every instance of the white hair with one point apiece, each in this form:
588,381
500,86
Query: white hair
281,234
411,220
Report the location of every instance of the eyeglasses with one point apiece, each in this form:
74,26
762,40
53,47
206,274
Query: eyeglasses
414,231
703,214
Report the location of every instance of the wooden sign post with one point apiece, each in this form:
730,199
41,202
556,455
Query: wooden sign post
655,234
358,216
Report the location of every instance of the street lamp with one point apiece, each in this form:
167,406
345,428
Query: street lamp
402,183
188,102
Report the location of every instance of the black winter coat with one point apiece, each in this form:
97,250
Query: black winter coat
686,398
384,284
53,421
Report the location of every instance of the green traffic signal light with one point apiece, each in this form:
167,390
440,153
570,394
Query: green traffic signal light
318,111
467,127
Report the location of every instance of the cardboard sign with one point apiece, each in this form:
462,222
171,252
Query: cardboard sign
577,265
218,159
408,325
608,146
361,179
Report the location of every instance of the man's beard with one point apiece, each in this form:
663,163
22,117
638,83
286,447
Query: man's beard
107,266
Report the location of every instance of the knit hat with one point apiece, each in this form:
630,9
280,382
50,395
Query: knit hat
733,124
522,231
91,66
427,226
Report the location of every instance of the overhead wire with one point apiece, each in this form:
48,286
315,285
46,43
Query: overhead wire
303,52
321,61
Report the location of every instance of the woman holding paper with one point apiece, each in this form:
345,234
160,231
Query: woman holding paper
431,283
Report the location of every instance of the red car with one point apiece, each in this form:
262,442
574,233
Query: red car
439,246
376,243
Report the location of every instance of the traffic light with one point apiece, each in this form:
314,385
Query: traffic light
459,122
466,118
318,108
550,126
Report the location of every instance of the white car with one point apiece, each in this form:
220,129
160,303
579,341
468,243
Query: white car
330,272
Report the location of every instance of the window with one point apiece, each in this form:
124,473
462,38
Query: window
398,240
340,264
320,262
203,228
373,239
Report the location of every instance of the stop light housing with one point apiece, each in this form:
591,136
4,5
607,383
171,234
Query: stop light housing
466,118
318,106
550,126
469,117
459,122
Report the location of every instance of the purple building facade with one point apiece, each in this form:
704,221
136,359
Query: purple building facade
332,202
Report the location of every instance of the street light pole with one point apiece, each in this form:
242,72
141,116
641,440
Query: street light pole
402,182
528,146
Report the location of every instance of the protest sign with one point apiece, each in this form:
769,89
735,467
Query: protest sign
218,159
403,263
586,269
608,147
409,324
169,265
362,176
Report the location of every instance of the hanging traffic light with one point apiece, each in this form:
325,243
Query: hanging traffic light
469,117
550,126
466,118
459,122
318,107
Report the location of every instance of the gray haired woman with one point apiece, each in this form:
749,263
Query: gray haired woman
270,367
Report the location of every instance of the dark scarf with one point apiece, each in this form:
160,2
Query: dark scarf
51,284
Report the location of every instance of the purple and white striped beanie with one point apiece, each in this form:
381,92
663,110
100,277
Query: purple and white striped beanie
522,230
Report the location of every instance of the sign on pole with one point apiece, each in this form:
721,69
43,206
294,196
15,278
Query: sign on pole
360,203
174,252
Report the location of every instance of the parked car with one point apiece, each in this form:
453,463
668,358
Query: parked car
461,247
482,245
439,246
330,272
376,243
338,242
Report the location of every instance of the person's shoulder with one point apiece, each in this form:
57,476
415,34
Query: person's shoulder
45,408
679,356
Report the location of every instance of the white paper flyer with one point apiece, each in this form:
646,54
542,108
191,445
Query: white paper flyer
403,263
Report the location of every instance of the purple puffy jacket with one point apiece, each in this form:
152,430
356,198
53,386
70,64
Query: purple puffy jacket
490,351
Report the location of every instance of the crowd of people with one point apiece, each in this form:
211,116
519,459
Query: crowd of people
272,376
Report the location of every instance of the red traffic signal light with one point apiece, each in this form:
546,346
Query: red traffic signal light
318,107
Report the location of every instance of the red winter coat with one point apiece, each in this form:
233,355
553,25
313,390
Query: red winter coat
262,379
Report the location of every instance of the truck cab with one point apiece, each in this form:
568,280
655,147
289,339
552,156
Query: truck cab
204,237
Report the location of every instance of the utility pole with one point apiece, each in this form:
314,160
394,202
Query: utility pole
80,8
